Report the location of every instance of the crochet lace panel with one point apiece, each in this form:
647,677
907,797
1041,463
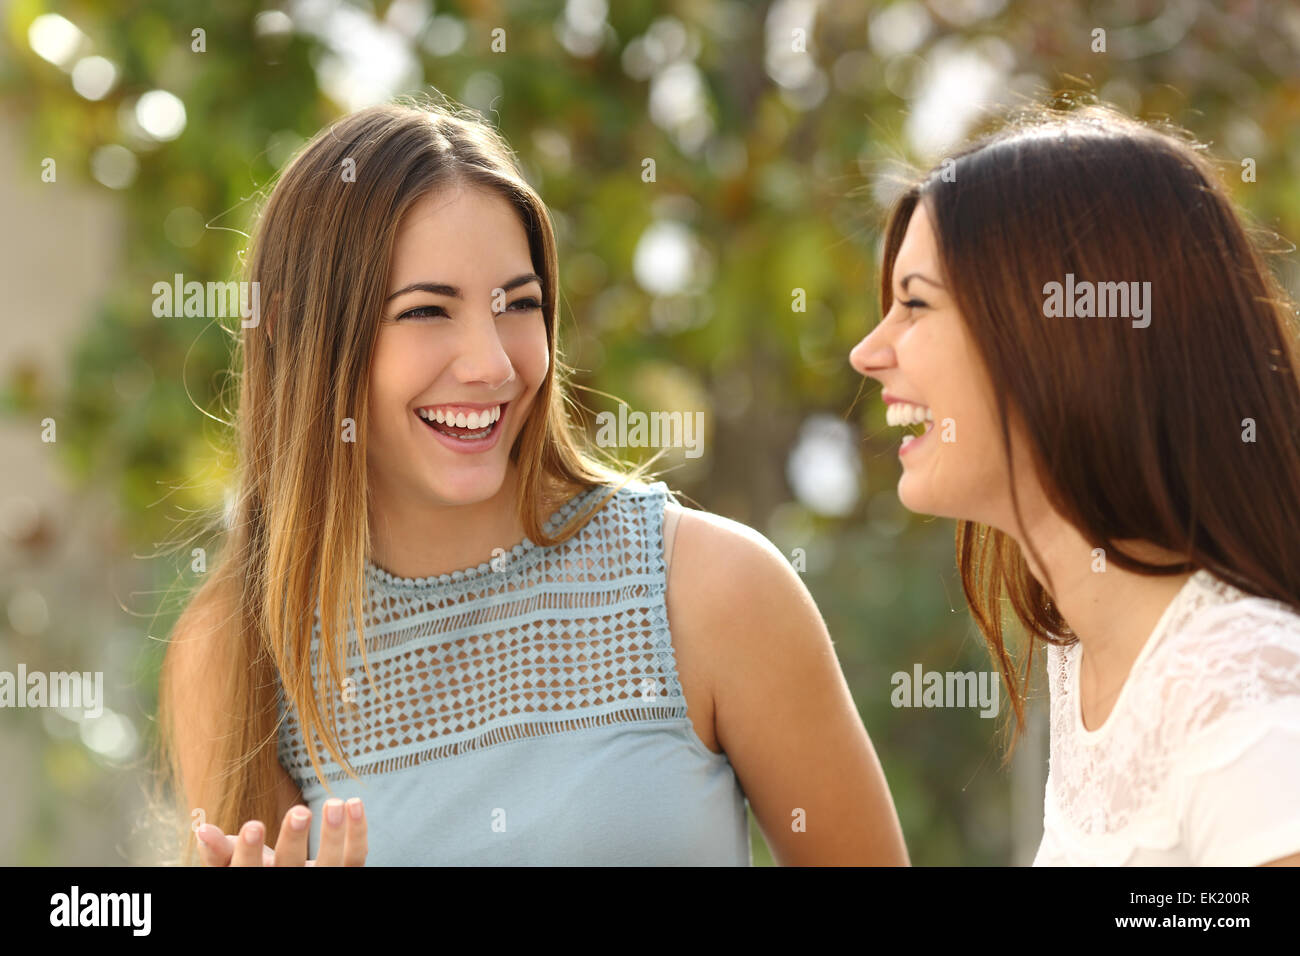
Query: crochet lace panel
537,641
1223,669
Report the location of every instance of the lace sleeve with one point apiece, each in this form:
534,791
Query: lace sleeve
1237,702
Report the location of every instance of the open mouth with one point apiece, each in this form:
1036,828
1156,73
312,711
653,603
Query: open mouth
464,426
907,415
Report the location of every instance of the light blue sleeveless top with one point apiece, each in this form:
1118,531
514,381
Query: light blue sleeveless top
529,712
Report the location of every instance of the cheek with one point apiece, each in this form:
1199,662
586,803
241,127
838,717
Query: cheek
394,381
963,470
529,352
958,389
977,470
975,408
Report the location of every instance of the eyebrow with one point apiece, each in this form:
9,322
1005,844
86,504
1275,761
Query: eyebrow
439,288
916,275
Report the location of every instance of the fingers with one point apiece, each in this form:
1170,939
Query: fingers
215,848
249,846
343,834
333,834
218,849
355,847
291,847
343,839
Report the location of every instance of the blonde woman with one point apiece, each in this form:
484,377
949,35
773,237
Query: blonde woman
1126,484
555,662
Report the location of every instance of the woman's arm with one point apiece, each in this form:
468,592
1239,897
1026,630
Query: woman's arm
193,698
190,696
782,710
190,689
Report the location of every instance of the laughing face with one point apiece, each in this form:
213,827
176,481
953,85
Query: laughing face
461,351
935,384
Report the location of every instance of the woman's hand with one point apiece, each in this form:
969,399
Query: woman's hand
342,842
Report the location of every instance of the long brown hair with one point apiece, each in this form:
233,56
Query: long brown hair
1136,433
297,532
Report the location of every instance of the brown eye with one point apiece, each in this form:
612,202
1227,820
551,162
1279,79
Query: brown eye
424,311
909,306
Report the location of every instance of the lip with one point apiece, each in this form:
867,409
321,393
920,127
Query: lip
891,399
907,447
466,406
469,448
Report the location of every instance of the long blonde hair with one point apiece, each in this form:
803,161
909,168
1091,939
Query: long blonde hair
296,535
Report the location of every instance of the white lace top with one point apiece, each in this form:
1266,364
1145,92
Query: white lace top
1199,761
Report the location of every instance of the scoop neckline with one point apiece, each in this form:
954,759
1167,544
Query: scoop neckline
557,518
1198,579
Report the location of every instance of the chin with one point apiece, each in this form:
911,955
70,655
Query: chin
472,486
918,495
913,495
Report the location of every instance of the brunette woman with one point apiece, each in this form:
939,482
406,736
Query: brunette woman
1125,474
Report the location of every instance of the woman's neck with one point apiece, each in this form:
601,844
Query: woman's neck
1112,611
417,539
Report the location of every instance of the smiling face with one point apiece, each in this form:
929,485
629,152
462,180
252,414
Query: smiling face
923,354
460,354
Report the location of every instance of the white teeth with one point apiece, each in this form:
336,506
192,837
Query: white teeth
480,419
904,413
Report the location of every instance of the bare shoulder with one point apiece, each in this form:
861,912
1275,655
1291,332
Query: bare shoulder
739,600
717,552
194,644
714,566
783,712
728,582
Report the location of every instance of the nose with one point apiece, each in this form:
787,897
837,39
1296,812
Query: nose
874,354
483,359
